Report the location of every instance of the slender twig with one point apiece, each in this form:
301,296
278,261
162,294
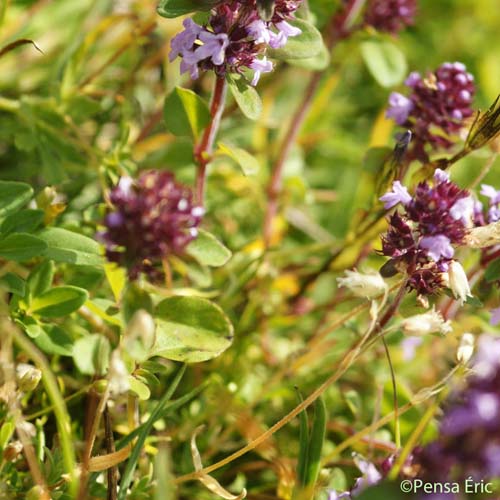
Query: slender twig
110,448
397,432
203,150
337,29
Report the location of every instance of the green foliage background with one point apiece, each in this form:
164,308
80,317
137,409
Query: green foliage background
85,105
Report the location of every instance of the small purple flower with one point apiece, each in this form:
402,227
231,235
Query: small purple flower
463,209
399,108
214,47
259,31
399,194
441,175
491,193
260,66
285,31
183,42
437,247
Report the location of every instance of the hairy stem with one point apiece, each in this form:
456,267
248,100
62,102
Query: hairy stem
203,151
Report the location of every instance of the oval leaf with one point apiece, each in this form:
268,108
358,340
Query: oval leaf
59,301
13,195
185,113
176,8
245,96
208,250
91,354
304,46
385,62
73,248
21,246
248,163
23,221
190,329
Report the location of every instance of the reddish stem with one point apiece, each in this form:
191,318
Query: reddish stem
340,27
203,150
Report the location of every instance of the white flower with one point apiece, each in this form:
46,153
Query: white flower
465,348
117,374
423,324
363,285
459,284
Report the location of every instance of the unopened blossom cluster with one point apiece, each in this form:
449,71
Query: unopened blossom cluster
151,218
390,16
234,38
468,443
435,109
423,232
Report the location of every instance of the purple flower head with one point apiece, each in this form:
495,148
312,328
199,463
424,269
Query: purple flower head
420,239
468,443
399,194
440,103
399,108
234,38
151,218
391,16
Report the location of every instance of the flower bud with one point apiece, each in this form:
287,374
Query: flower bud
466,348
118,374
363,285
423,324
142,326
459,284
28,377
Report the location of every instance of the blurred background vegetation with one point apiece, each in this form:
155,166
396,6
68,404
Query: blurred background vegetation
86,104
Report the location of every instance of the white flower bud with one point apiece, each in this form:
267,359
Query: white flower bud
118,374
465,348
423,324
28,377
458,282
363,285
142,326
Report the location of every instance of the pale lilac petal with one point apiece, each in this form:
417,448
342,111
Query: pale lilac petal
413,79
463,209
399,108
495,316
214,47
441,175
399,194
184,41
437,247
409,346
259,31
260,66
288,29
491,193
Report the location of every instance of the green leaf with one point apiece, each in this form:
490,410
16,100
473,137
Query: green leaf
13,195
317,63
6,432
492,272
24,221
245,96
176,8
135,298
248,163
140,388
386,63
304,447
21,246
12,283
316,442
208,250
91,354
59,301
190,329
185,113
304,46
40,278
73,248
54,340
